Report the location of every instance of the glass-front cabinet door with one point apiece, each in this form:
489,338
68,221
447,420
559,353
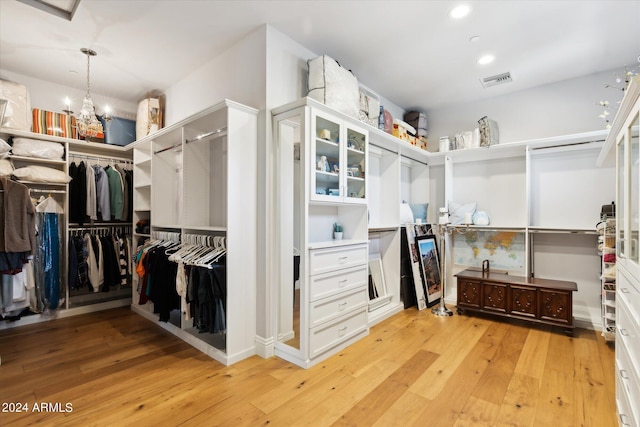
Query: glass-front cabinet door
356,164
628,194
339,160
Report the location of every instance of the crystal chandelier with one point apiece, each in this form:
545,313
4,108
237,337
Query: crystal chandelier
88,124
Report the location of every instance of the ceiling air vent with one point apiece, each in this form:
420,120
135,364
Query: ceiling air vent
496,80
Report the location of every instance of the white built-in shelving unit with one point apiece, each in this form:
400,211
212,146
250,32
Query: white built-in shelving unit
199,177
73,148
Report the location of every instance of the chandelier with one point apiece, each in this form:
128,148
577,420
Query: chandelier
88,124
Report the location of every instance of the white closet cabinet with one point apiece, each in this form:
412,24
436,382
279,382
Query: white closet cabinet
322,300
623,141
74,150
199,177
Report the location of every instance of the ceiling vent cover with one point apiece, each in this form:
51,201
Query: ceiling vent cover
496,80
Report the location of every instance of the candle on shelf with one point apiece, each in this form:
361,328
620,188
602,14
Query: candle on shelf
67,104
467,218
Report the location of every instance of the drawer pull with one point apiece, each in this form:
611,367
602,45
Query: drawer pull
342,305
342,330
624,290
623,418
624,374
343,259
342,282
625,332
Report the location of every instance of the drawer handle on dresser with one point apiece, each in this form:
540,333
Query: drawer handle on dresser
624,332
624,290
342,305
624,374
343,259
342,330
342,282
623,417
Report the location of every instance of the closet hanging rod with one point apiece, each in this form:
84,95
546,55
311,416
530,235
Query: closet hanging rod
215,133
101,224
116,159
168,148
42,190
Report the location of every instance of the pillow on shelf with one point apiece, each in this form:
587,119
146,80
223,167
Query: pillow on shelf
457,211
41,174
36,148
4,147
419,211
406,216
6,168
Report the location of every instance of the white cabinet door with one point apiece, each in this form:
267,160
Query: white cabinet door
338,160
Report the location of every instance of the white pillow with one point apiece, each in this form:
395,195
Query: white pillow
4,147
406,214
457,211
6,168
36,148
41,174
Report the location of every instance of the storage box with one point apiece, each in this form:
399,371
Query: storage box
55,124
418,120
17,113
119,131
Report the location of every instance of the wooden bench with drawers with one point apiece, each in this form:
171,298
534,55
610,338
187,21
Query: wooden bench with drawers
535,300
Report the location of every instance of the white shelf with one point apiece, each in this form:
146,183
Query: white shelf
38,160
536,229
52,184
203,228
335,243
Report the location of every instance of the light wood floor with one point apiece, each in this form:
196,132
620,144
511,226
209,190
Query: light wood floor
116,368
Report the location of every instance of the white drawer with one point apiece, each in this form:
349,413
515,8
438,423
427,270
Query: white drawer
625,415
329,308
629,381
628,329
329,259
325,285
329,335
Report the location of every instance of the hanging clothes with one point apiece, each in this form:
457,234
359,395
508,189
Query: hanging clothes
91,201
49,250
102,193
116,199
17,216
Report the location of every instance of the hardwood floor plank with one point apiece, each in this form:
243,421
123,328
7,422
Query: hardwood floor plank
477,413
530,363
519,406
372,406
493,385
405,411
454,350
556,399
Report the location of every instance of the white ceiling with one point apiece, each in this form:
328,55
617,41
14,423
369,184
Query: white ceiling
409,51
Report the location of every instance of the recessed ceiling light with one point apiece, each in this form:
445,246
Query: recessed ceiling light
460,11
487,59
474,39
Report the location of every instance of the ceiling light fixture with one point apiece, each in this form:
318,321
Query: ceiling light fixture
88,123
459,11
486,59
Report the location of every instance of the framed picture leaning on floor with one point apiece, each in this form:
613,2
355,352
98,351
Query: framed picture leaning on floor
430,267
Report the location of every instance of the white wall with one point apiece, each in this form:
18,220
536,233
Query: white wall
236,74
50,96
556,109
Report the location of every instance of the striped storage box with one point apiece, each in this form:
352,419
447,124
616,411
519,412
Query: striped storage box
56,124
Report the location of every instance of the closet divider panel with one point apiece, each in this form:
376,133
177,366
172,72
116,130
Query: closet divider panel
241,220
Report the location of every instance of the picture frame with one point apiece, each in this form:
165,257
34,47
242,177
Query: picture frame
377,286
412,231
430,267
334,166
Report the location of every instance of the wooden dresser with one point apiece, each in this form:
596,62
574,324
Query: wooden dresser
535,300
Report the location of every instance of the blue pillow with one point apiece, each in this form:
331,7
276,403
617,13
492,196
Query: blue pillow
419,211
